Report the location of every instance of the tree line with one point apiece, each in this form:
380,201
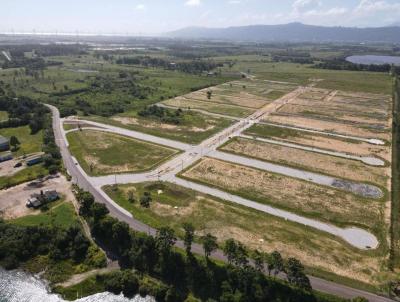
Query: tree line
183,274
193,66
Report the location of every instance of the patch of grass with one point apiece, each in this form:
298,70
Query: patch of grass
29,143
27,174
101,153
268,131
88,287
3,115
62,214
194,128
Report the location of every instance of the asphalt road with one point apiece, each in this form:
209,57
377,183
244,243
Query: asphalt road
317,283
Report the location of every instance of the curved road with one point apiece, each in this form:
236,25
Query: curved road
77,176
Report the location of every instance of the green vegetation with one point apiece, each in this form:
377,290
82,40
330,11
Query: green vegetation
30,143
102,153
27,174
61,214
193,127
395,211
268,131
186,274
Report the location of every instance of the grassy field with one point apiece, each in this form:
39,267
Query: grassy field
61,214
29,143
194,128
177,205
101,153
27,174
373,82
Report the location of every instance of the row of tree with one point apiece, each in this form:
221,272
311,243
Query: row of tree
241,280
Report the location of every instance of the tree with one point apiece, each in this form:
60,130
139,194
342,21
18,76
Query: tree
131,196
209,94
145,200
359,299
258,260
209,244
230,250
14,142
165,239
275,263
99,211
188,238
295,274
86,200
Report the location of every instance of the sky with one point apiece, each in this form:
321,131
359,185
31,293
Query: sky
151,17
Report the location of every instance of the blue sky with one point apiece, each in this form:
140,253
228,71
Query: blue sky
157,16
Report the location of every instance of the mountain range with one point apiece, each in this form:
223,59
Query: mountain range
292,32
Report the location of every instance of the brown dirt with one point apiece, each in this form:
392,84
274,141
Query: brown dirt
12,201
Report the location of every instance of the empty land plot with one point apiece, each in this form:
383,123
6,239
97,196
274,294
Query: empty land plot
319,141
291,194
242,98
194,128
307,160
176,205
328,126
101,153
229,110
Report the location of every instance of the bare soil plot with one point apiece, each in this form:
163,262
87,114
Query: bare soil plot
327,126
257,230
311,161
101,153
242,98
229,110
12,201
291,194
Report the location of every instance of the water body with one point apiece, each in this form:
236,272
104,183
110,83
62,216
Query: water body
18,286
373,59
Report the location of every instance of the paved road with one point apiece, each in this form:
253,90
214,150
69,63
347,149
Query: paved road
82,181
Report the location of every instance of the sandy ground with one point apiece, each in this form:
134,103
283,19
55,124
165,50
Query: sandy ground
290,193
12,200
322,163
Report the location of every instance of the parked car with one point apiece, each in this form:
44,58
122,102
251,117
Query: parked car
17,165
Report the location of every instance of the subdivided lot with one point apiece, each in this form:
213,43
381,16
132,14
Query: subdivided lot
194,128
101,153
294,195
319,141
307,160
173,205
229,110
328,126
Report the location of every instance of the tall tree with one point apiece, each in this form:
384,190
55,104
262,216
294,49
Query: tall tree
258,260
14,142
188,238
165,239
275,263
209,244
295,274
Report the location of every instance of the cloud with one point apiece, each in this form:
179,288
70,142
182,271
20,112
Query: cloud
305,5
234,1
371,6
193,3
140,7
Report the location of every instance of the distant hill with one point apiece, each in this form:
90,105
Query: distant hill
292,32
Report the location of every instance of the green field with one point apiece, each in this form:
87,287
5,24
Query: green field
194,128
27,174
61,214
29,143
101,153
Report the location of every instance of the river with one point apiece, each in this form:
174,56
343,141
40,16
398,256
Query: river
18,286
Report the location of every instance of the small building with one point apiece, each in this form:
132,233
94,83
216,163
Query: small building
4,156
36,200
34,160
4,143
